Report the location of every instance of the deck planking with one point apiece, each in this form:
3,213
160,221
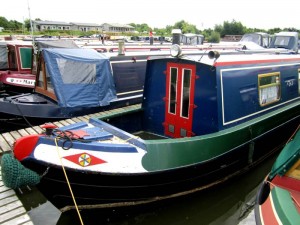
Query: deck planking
7,139
12,211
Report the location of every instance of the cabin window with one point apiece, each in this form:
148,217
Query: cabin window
25,57
49,83
185,98
34,64
41,79
269,88
12,59
71,72
173,90
44,83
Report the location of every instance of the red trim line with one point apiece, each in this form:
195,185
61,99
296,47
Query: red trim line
267,213
256,62
288,183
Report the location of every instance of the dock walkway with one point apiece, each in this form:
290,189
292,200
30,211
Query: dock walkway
12,211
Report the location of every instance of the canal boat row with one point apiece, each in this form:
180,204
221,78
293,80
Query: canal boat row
204,119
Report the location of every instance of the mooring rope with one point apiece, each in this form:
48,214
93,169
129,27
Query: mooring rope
69,185
293,134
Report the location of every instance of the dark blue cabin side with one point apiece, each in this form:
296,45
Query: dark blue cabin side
247,91
129,74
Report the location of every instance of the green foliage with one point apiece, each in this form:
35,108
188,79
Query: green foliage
214,37
228,28
186,27
27,24
10,25
160,32
141,27
3,22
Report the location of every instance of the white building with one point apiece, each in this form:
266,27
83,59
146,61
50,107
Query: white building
86,26
117,28
57,25
50,25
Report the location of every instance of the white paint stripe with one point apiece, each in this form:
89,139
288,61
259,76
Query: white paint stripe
274,210
261,216
116,162
129,92
129,61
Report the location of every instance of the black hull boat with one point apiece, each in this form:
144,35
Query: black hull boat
99,84
93,189
187,136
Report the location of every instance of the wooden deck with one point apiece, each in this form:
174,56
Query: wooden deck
7,139
12,211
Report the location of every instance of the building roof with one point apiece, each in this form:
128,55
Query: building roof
51,22
118,25
40,22
86,24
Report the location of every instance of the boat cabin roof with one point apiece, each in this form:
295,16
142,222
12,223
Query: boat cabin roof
221,92
56,44
15,43
239,59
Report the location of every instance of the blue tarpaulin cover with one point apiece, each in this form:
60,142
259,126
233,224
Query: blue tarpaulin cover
80,77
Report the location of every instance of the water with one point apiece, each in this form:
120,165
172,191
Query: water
231,203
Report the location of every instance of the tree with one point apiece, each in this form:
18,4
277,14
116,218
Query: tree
219,29
27,24
186,27
160,31
230,28
140,27
233,28
169,29
14,25
274,30
4,22
214,37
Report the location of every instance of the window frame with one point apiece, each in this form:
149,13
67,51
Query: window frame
277,83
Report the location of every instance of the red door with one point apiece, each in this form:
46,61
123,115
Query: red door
179,100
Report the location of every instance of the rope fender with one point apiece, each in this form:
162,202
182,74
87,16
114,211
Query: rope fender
15,175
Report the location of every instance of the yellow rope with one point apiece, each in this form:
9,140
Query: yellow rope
60,158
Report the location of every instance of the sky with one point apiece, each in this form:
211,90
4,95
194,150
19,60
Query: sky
263,14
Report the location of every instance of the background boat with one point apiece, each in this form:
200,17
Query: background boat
278,197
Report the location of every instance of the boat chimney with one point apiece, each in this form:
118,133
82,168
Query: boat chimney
121,50
176,36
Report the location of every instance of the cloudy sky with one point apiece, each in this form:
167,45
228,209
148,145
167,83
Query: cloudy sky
263,14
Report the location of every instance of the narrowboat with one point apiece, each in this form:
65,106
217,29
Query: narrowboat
15,71
278,198
74,82
203,120
18,74
260,38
